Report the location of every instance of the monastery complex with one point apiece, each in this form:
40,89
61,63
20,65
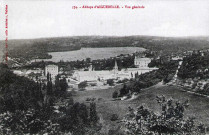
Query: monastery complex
141,65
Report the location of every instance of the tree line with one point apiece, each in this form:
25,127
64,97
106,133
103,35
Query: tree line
165,73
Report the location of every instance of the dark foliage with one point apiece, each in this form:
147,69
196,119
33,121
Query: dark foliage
110,82
114,117
82,85
93,113
115,94
165,73
194,66
26,107
170,120
38,48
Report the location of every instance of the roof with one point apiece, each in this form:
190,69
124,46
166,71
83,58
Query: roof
94,73
140,69
143,59
85,73
51,66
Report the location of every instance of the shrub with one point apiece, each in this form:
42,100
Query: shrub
88,99
110,82
114,117
93,84
25,122
82,85
170,120
115,94
124,90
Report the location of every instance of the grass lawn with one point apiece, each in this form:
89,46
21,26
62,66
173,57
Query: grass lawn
199,106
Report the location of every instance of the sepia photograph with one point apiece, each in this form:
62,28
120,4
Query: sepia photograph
104,67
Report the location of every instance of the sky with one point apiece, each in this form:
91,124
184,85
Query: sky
30,19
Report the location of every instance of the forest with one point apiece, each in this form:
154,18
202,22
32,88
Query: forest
26,50
195,66
28,107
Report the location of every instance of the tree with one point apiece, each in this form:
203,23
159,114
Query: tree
82,85
88,60
83,113
114,117
170,121
57,86
136,74
168,78
49,88
63,85
115,94
48,76
124,90
93,113
110,82
26,122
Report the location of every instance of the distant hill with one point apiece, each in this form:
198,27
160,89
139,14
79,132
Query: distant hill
27,49
1,52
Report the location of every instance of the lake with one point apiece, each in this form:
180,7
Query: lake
93,53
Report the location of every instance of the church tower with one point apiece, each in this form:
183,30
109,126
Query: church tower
90,67
115,69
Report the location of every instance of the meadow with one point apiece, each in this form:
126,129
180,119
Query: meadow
106,106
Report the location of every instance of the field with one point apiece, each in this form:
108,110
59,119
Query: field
199,106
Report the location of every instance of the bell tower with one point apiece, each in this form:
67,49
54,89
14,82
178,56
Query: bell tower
115,69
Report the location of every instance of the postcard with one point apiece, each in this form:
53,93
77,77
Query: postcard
104,67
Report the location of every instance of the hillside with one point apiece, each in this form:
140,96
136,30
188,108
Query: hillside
147,97
28,49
